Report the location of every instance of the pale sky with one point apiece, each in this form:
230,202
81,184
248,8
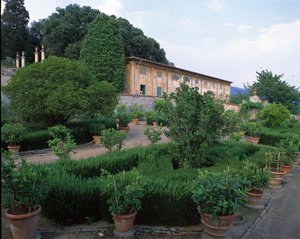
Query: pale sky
228,39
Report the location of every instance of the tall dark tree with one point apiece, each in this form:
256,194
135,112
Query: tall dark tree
271,87
137,44
103,50
65,29
14,31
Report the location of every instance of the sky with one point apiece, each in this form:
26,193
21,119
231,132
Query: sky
227,39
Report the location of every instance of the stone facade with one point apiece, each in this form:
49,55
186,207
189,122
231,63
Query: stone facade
149,78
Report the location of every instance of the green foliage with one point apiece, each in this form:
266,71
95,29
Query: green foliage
256,176
14,32
219,193
113,138
96,129
53,91
290,146
34,140
154,134
275,90
232,122
137,111
274,114
239,98
196,123
252,129
62,143
123,115
139,45
103,50
12,134
8,62
65,29
23,183
125,192
247,105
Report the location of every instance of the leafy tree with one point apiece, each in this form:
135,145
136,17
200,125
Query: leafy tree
56,89
269,86
139,45
14,32
65,29
103,50
274,114
196,124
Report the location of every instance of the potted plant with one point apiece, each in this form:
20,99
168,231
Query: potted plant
123,117
290,147
23,190
257,179
153,117
12,134
62,142
253,131
125,193
154,133
136,112
273,164
218,195
95,130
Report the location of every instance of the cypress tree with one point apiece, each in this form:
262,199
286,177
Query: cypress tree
14,31
103,50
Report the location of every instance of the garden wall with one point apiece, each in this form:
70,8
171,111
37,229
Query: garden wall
146,101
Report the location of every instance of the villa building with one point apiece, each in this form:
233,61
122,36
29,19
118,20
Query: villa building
149,78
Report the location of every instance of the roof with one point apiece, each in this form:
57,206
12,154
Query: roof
140,60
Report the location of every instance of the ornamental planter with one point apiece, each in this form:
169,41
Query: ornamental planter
154,123
135,121
124,223
217,227
96,139
286,168
254,196
126,128
14,149
254,140
23,226
277,177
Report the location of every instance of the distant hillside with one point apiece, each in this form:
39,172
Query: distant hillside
238,91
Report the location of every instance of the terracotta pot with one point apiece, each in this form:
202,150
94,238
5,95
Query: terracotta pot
254,196
154,123
254,140
14,149
96,139
124,223
124,128
286,168
135,121
23,226
277,178
217,227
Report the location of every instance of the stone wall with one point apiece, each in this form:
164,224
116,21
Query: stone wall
146,101
230,106
6,74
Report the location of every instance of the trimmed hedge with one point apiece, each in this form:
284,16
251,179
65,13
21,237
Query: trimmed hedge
78,192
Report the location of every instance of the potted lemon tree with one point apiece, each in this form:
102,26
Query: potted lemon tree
23,190
12,135
125,193
95,130
218,196
257,179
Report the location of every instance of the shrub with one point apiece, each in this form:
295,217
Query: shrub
35,140
274,114
154,134
137,111
125,193
113,138
12,134
96,129
62,143
59,89
251,129
219,193
196,123
23,183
